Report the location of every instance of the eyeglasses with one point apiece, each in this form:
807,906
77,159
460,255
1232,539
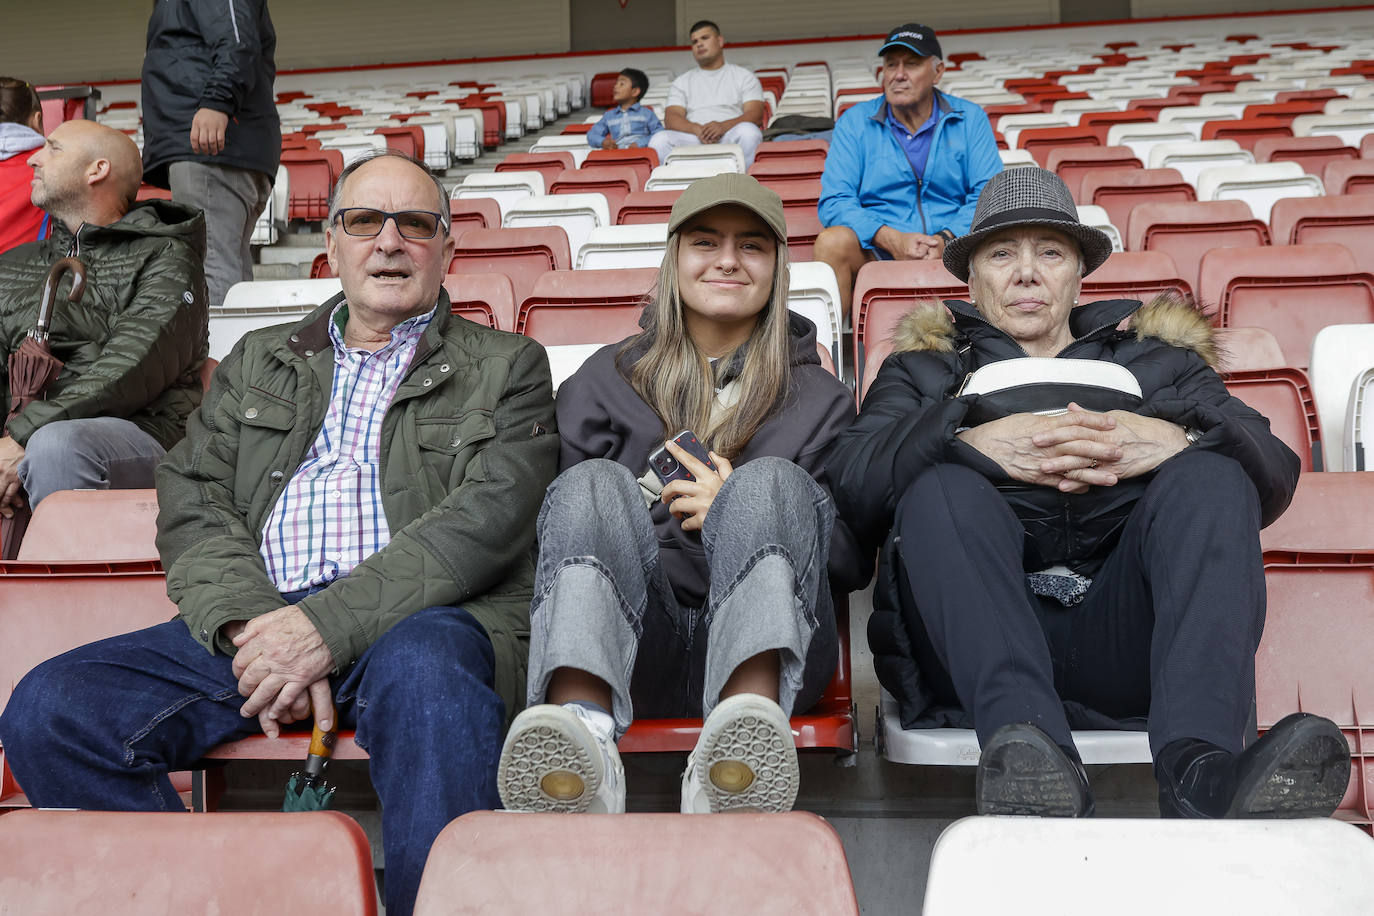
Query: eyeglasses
368,223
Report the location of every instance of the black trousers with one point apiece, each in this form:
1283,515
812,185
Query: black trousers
1167,631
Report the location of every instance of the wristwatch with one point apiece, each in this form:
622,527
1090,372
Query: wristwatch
947,235
1192,434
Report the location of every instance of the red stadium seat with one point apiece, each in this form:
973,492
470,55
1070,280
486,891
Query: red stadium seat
547,163
614,183
484,298
1284,112
1099,122
151,192
809,150
1041,141
1139,275
1071,162
829,725
1185,230
1299,95
521,254
799,195
788,168
662,863
1294,296
1312,153
643,160
122,863
1118,190
1367,146
1329,514
92,526
493,119
472,213
1249,349
585,306
319,267
408,140
802,229
1344,220
1314,655
1284,396
50,608
603,89
312,174
884,291
1349,177
646,207
1246,131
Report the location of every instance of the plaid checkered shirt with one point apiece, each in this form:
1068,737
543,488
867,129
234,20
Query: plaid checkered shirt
330,516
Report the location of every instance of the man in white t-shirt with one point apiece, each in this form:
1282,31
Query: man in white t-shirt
714,103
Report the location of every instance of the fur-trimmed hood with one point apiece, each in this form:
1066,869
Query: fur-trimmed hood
1173,320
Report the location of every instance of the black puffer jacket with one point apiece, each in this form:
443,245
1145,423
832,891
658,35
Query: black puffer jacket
210,54
911,413
601,416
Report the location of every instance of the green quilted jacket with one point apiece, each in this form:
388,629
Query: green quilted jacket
468,447
133,346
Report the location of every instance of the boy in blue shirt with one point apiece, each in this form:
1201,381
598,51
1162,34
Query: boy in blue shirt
629,123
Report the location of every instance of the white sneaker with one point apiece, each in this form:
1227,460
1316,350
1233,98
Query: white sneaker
745,758
560,758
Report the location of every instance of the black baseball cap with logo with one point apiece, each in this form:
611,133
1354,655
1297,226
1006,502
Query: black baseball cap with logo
913,37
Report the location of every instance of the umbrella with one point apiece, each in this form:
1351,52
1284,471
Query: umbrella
306,789
32,368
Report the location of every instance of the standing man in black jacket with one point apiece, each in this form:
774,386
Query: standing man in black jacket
210,127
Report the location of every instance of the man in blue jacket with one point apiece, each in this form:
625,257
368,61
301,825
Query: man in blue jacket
904,171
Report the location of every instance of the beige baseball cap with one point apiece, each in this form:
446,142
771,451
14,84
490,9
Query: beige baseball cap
730,188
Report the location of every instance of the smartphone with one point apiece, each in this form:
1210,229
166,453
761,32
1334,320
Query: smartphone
667,468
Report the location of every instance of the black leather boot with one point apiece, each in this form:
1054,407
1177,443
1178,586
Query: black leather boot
1021,771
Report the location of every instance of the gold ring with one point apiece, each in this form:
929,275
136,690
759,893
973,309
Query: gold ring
1094,463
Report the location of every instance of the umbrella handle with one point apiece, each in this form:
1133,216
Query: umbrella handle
321,748
49,301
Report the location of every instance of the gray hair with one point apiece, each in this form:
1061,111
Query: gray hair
364,159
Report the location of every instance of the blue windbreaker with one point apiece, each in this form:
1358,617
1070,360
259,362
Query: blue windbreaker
868,182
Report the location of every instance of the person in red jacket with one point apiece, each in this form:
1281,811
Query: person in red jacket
21,131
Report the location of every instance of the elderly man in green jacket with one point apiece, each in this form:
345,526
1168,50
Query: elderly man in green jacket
347,529
134,344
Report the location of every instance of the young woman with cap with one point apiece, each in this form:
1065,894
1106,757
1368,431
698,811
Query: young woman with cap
706,595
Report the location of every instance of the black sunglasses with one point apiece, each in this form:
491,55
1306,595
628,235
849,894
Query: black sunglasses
368,223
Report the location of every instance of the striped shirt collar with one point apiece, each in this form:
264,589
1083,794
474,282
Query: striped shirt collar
402,334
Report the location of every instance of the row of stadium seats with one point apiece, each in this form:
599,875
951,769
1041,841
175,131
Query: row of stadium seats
88,570
66,861
72,861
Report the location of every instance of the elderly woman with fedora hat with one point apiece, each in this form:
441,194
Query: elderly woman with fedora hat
1068,504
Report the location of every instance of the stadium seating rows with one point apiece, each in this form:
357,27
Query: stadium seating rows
1171,141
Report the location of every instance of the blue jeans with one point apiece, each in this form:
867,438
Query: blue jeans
101,726
603,602
100,453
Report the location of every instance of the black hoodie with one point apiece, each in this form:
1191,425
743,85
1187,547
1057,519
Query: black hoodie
601,416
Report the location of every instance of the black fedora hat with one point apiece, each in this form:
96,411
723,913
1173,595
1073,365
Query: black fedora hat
1026,196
